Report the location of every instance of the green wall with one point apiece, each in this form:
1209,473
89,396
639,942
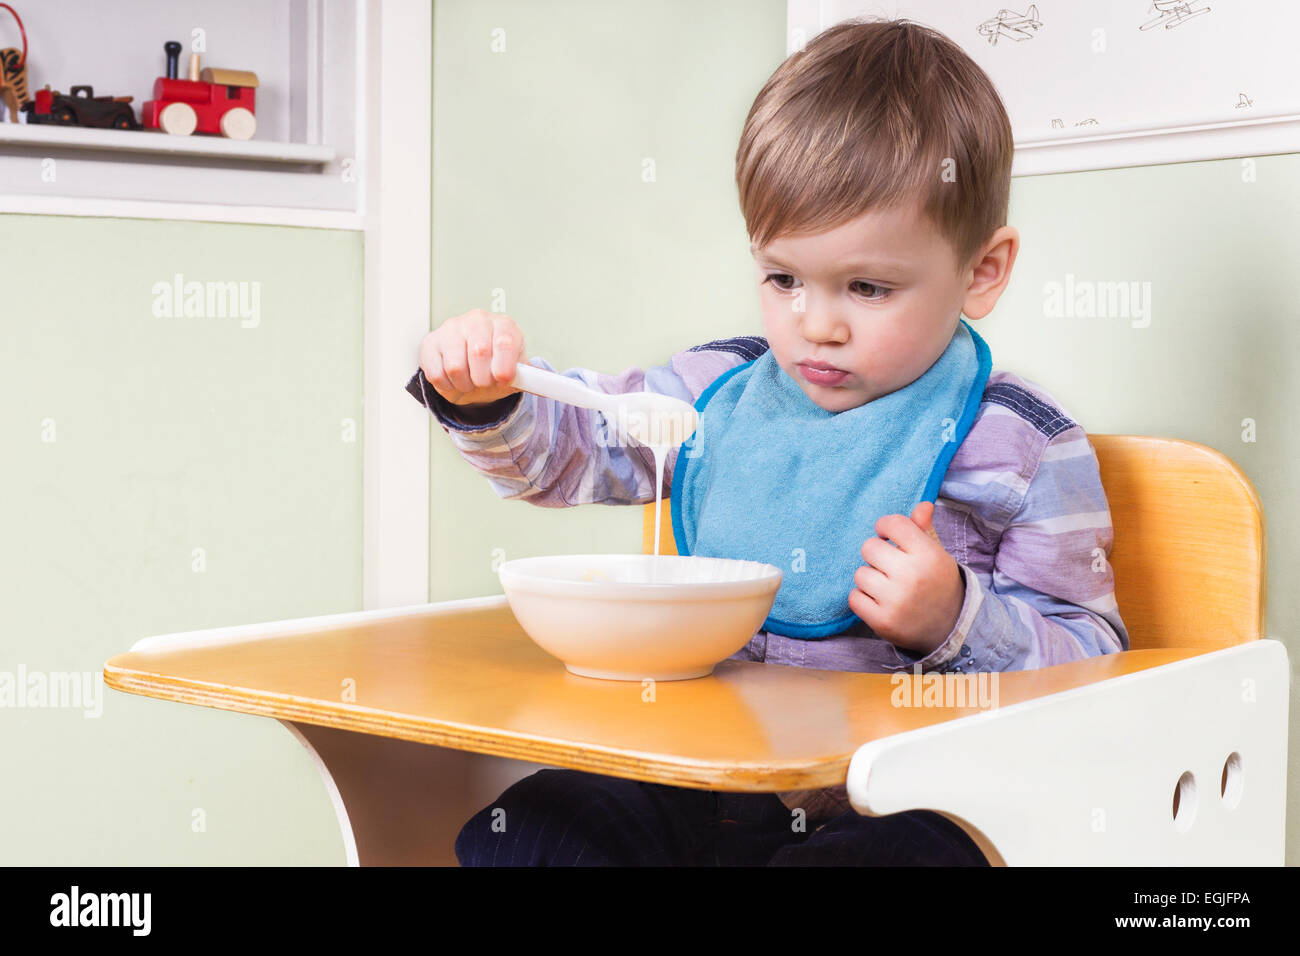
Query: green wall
538,191
169,435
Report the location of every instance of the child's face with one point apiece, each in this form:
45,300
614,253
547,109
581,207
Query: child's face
878,297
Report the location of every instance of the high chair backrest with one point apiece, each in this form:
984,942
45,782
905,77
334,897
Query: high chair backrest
1189,542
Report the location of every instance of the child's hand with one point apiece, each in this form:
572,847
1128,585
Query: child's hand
911,594
470,358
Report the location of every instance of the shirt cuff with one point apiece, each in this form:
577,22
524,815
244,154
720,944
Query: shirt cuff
471,419
953,649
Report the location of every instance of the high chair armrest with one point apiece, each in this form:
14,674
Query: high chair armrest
1089,776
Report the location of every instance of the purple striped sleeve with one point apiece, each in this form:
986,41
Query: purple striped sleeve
1049,595
557,455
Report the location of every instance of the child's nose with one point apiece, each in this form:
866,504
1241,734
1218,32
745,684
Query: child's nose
823,325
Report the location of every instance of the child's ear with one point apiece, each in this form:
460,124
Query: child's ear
990,272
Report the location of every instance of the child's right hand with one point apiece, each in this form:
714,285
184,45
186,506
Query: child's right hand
471,358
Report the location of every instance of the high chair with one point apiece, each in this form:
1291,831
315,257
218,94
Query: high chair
1179,764
1171,753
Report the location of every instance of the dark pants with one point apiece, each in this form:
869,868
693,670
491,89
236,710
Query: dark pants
573,818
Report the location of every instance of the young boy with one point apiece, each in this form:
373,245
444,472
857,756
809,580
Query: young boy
874,174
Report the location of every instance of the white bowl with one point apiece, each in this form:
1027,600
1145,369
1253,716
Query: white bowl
639,616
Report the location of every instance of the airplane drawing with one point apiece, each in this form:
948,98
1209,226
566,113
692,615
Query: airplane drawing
1011,25
1172,13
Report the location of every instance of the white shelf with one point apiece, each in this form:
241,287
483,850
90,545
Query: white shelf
156,143
310,57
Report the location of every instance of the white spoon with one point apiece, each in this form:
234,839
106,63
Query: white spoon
647,417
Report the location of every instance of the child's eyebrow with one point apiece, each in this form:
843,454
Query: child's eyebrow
885,269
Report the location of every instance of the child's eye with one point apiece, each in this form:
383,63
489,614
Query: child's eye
871,285
778,281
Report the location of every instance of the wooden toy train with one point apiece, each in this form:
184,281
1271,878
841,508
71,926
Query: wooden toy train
211,101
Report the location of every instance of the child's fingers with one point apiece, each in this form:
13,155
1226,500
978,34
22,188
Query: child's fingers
455,364
867,608
478,350
924,517
431,365
902,530
507,348
883,555
871,582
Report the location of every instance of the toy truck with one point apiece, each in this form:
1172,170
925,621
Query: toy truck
81,108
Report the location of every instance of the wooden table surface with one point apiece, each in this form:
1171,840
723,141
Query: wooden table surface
468,678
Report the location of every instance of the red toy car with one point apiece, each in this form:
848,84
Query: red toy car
214,101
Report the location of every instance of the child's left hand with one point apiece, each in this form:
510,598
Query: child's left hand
909,594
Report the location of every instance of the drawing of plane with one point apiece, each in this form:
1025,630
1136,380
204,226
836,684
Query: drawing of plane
1172,13
1008,23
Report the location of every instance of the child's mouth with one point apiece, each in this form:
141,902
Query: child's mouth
821,376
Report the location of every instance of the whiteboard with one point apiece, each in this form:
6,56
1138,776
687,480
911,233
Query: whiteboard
1117,82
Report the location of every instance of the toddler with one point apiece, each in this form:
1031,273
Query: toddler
874,175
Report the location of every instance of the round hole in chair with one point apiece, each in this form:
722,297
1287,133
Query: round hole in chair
1184,802
1231,783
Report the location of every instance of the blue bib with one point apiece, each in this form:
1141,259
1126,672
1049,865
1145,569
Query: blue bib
771,476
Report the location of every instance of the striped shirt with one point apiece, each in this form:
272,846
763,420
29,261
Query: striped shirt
1021,509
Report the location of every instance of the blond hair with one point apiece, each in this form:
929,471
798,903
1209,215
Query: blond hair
870,115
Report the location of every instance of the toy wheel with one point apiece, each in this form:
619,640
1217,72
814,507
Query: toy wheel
238,123
179,119
124,122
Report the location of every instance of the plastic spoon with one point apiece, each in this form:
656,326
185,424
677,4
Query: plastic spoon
647,417
660,422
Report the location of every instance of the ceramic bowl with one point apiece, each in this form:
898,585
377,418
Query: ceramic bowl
639,616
